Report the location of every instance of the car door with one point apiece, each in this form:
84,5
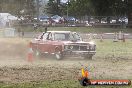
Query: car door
36,42
50,43
57,42
42,44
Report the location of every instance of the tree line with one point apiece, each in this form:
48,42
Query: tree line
18,7
89,7
73,7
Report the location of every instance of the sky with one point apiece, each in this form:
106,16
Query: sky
63,1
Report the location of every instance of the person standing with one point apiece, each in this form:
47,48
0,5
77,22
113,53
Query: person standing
45,29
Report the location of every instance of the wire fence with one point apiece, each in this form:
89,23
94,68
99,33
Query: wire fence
90,21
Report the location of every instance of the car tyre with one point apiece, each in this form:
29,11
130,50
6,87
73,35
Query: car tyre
88,57
58,54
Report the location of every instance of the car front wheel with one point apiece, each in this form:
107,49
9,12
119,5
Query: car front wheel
58,54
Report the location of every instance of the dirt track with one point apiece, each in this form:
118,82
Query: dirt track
14,66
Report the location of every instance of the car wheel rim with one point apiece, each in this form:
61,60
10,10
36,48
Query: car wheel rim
58,55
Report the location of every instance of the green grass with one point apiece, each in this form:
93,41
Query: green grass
78,29
56,84
109,49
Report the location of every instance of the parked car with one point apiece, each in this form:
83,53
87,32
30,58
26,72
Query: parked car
113,20
63,43
93,20
56,19
71,19
44,18
104,20
123,20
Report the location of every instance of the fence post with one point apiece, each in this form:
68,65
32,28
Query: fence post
115,37
123,37
120,35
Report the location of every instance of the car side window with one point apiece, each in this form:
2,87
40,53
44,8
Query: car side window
50,36
45,36
71,37
60,36
77,36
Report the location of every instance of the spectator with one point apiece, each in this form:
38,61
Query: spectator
45,29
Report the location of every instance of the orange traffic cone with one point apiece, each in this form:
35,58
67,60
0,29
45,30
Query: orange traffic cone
30,53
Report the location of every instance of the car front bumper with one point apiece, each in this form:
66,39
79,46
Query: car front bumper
76,53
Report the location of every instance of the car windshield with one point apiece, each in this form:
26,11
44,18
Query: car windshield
66,36
76,36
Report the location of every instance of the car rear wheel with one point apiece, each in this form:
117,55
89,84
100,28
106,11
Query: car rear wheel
58,54
88,57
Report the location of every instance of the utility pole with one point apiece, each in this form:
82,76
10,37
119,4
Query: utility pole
37,10
129,13
67,9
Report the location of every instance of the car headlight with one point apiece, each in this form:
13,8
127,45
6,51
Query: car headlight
71,47
66,46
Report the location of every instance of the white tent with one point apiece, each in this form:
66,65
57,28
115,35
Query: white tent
6,17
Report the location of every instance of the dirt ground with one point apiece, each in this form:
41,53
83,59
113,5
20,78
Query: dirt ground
15,68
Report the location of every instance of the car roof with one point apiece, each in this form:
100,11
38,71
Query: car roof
59,31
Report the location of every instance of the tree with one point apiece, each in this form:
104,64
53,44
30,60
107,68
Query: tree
130,13
10,6
30,7
53,7
15,6
80,7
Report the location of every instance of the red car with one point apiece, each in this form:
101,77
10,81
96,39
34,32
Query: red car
61,44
